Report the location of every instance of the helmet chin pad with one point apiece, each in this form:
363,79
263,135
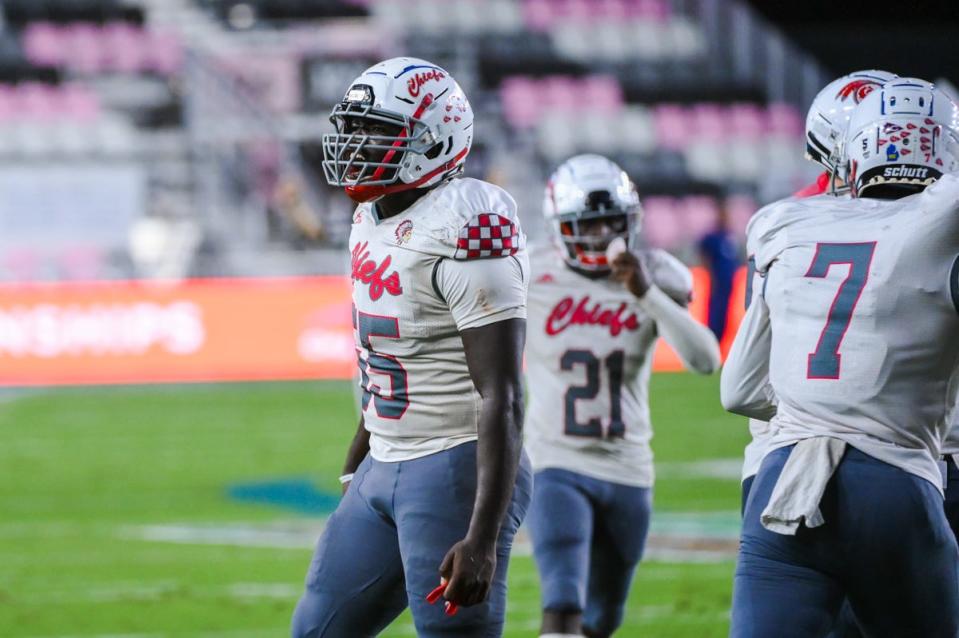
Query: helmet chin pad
590,260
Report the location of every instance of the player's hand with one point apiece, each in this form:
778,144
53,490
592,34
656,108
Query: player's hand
629,270
468,569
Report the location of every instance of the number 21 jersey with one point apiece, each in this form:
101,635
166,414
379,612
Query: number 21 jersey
589,355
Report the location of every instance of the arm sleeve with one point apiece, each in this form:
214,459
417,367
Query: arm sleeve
744,386
693,342
483,291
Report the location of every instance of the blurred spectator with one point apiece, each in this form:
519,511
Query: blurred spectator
290,202
720,254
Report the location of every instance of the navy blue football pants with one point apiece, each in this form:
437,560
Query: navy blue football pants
588,536
952,496
381,550
886,545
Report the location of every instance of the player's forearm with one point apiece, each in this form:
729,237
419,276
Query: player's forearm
359,448
498,454
694,343
744,386
747,394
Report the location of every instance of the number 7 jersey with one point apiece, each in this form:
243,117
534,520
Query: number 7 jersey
863,300
589,350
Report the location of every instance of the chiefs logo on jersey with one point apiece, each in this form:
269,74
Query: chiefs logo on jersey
568,313
366,270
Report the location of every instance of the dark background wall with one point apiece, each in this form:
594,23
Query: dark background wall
912,37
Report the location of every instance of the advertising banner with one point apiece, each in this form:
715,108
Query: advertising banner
200,330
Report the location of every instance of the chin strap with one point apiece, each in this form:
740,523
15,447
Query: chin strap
361,194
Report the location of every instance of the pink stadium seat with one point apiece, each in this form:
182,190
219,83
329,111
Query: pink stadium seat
655,10
581,11
538,15
165,53
563,93
83,48
122,47
660,223
37,101
609,9
603,92
43,44
79,103
784,119
521,101
710,122
673,126
746,121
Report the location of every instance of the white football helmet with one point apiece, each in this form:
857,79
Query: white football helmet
432,118
829,115
902,138
586,188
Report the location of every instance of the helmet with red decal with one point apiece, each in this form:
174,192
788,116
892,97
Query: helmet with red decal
829,114
589,201
902,138
403,124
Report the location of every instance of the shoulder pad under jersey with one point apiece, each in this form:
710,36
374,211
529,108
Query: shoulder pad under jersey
467,219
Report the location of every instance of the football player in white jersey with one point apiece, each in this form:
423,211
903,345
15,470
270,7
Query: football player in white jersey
437,482
593,326
852,346
826,123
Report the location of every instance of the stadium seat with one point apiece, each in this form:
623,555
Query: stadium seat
661,226
708,161
673,129
43,44
636,130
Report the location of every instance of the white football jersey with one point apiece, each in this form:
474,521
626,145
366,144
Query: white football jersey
759,431
589,352
863,301
454,260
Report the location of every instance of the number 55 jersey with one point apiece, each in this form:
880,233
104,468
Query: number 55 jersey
589,355
863,304
452,261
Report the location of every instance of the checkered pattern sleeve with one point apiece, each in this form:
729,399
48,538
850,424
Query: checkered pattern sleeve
488,235
484,291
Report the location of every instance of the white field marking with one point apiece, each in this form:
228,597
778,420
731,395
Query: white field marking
128,591
674,536
287,535
283,591
706,468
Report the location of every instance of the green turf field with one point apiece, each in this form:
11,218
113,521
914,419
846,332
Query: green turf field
116,518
